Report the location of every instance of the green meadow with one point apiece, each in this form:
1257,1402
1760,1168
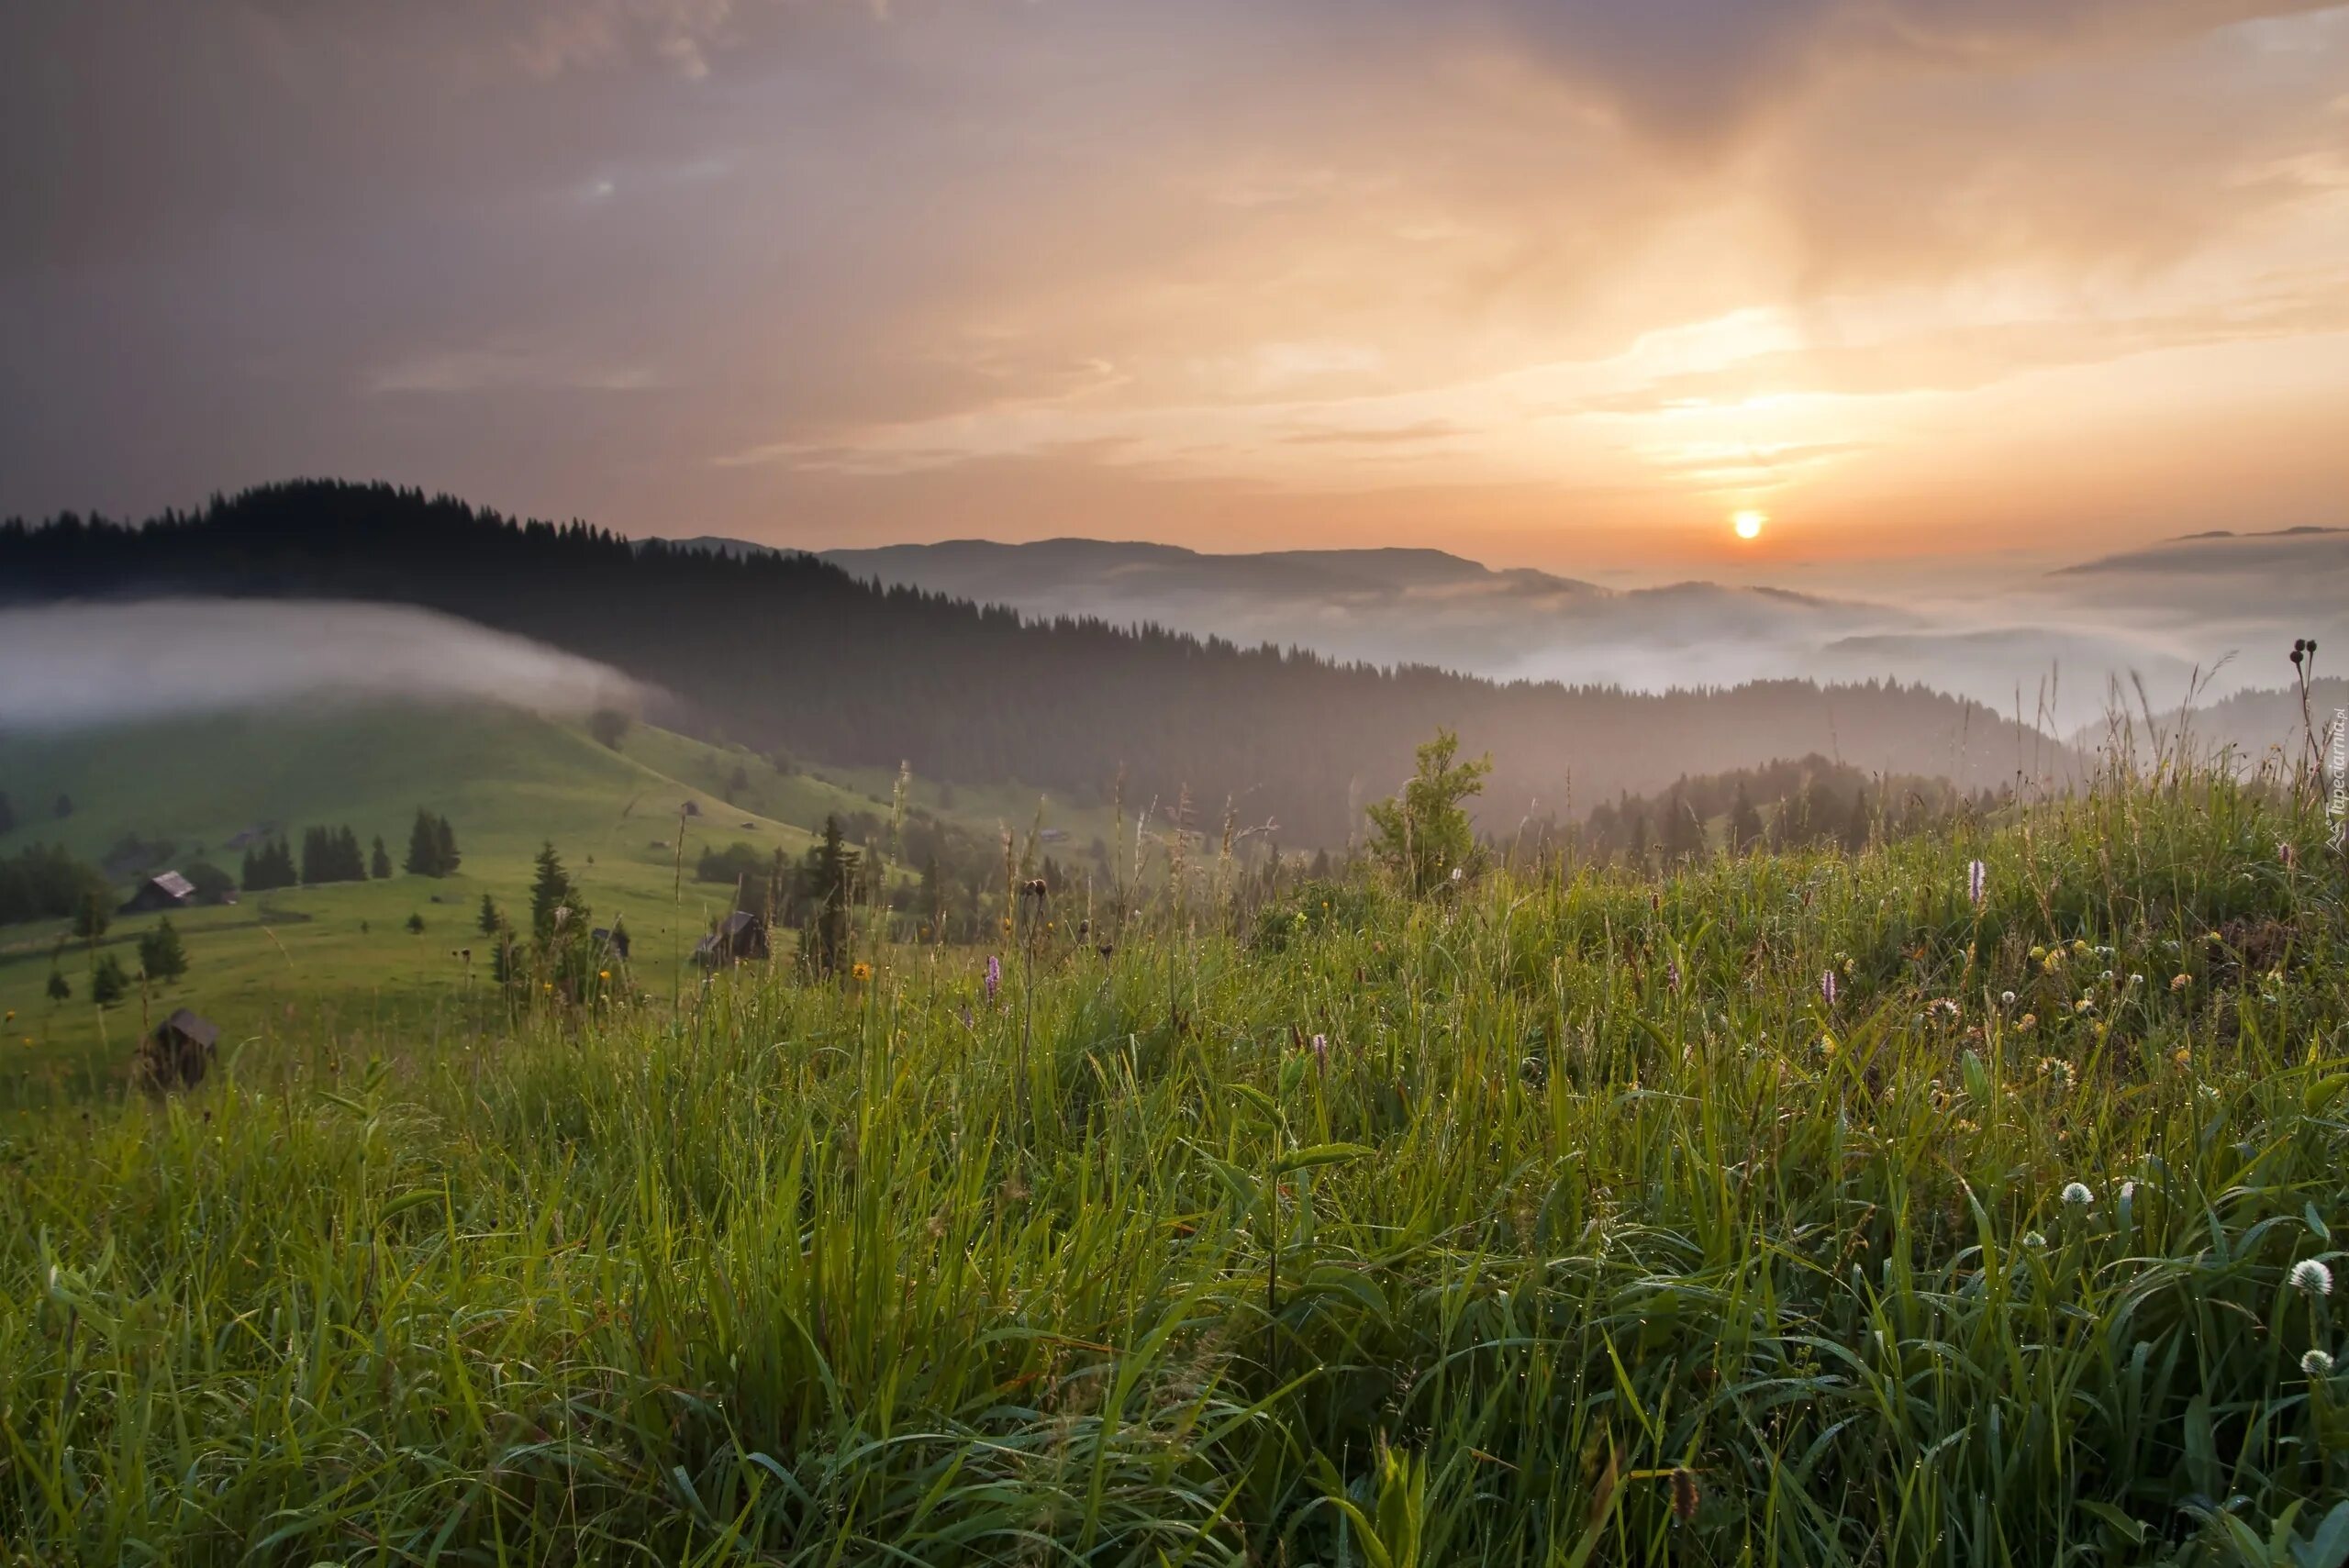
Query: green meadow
339,960
1786,1209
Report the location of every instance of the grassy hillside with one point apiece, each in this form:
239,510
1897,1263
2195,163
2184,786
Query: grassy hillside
1544,1222
338,957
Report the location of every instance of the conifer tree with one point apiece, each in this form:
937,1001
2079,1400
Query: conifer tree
830,887
489,922
107,980
423,846
551,890
1745,822
379,865
60,988
444,841
161,952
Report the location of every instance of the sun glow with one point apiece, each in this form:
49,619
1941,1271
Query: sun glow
1748,524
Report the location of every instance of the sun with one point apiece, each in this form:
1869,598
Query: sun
1748,524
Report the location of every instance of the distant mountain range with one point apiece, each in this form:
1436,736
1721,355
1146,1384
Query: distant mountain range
2226,605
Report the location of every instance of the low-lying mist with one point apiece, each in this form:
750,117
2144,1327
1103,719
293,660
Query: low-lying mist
2198,616
73,664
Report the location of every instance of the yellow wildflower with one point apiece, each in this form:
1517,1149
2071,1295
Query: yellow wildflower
860,971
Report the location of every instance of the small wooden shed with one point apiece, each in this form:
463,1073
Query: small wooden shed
739,936
177,1053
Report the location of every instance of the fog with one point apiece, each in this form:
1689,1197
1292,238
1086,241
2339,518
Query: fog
75,664
2208,615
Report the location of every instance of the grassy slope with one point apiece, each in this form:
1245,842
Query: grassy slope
508,781
1593,1184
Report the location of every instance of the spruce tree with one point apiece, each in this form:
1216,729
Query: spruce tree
60,988
91,920
489,922
108,982
380,864
1683,834
423,846
1745,822
551,890
830,877
445,842
1856,826
161,952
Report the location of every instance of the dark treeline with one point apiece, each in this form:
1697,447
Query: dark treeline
1800,802
785,650
42,882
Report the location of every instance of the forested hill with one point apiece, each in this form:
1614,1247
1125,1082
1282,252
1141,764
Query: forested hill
785,650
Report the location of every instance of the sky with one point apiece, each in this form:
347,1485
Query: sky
1950,291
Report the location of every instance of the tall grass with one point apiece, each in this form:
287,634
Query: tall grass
1556,1220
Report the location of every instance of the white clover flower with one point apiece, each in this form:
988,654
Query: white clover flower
2007,998
2312,1278
2078,1192
2317,1365
2034,1238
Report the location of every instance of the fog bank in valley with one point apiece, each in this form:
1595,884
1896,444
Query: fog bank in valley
71,664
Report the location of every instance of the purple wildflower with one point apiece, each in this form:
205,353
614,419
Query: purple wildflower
1321,1051
1675,975
1826,985
1977,878
994,976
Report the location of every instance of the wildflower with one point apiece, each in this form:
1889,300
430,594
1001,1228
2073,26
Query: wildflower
2136,980
1976,880
2007,999
1675,975
1827,1046
1850,966
2312,1278
2027,1022
1943,1005
2289,856
994,982
1456,874
2128,1191
2183,1057
1826,985
2078,1192
1321,1051
2181,981
2108,977
2034,1238
860,971
2318,1366
603,974
2085,1005
2037,952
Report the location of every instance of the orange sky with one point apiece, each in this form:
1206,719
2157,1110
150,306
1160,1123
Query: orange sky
1544,282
